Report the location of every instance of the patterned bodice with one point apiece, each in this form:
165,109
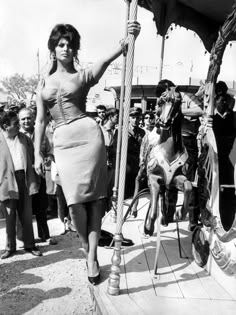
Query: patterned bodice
67,102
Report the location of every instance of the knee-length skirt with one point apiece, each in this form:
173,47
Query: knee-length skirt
80,157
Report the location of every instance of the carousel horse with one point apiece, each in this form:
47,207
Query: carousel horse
164,159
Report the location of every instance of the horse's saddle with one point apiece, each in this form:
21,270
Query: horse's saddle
169,169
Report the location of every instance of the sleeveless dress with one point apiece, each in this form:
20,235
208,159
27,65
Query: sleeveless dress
79,149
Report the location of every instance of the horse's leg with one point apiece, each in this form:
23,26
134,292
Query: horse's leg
184,185
194,209
153,210
136,190
158,225
187,188
171,196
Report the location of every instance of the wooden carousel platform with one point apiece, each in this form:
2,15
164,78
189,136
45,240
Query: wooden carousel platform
180,287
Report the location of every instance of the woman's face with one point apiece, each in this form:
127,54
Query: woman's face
63,51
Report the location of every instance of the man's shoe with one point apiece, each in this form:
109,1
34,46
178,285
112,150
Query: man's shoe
34,251
40,240
7,254
52,241
164,221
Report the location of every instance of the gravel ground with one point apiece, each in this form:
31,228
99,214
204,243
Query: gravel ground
55,283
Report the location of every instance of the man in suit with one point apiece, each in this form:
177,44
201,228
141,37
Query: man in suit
39,200
135,136
17,183
109,131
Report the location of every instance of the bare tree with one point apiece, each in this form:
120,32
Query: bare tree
18,87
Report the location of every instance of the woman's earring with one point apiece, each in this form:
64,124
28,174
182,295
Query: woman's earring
76,60
53,56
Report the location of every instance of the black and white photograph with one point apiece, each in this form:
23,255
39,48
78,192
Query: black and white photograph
117,157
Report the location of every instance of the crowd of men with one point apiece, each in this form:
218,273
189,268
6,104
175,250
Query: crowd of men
22,191
143,128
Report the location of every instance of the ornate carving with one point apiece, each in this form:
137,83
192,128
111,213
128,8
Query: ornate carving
114,277
222,243
222,234
204,185
200,247
225,256
226,33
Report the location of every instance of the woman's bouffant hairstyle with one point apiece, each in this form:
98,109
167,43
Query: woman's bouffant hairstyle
68,32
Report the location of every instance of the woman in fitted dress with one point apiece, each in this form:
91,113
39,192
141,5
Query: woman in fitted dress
79,148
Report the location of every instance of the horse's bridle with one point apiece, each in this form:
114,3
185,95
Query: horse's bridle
172,115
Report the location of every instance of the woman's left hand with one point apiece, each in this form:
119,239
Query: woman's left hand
134,28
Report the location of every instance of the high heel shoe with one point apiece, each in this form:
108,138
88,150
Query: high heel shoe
94,280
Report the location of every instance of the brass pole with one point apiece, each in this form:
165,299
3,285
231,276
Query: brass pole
119,137
38,62
114,277
162,57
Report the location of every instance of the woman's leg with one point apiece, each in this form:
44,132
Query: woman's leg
87,219
79,218
95,211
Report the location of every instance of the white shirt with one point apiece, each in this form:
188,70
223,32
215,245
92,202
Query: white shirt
15,149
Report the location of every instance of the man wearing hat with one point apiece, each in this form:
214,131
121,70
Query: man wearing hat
135,136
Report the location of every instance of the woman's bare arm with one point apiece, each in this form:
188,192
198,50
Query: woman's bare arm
40,123
40,126
101,65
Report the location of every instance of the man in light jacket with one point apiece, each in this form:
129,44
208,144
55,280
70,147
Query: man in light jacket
17,183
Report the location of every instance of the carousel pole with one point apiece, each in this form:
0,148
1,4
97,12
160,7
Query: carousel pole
114,277
118,148
162,57
38,63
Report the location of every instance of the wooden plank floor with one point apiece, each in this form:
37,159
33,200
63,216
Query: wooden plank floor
180,287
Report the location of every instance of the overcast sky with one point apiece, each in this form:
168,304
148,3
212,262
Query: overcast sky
25,26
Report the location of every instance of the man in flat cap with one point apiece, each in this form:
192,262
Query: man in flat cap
135,136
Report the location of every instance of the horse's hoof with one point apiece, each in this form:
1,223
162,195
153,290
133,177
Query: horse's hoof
134,214
149,226
182,214
164,221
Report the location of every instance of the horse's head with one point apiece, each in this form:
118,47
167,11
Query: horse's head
169,107
201,91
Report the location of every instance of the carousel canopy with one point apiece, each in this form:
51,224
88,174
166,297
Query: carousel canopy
204,17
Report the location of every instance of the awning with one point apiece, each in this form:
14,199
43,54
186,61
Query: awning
204,17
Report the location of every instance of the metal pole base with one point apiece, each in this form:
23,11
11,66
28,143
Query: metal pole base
114,277
113,211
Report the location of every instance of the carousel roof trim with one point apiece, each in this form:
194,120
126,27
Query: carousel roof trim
204,17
